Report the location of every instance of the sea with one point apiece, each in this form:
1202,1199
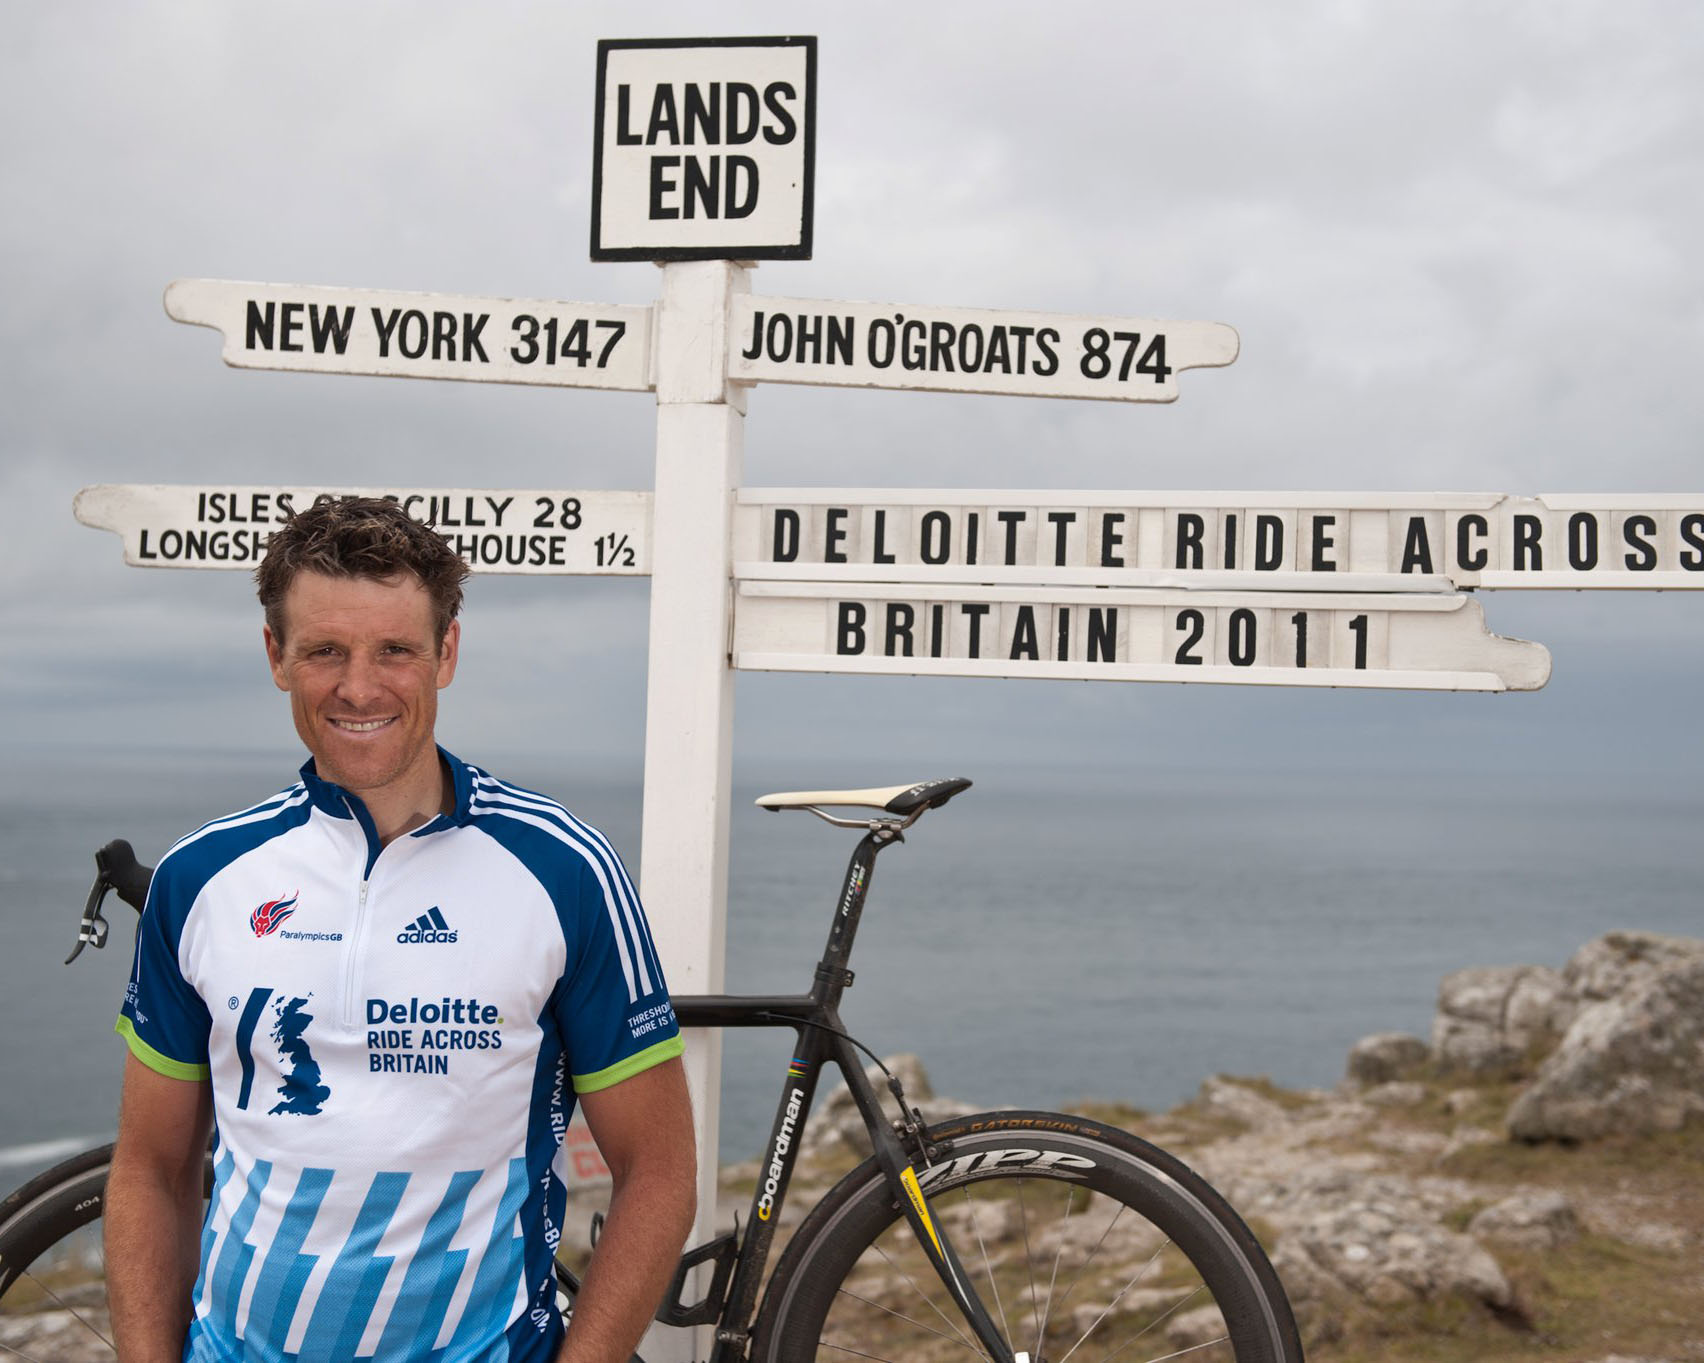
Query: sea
1053,936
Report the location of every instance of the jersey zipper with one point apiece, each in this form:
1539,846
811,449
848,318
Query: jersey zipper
351,1014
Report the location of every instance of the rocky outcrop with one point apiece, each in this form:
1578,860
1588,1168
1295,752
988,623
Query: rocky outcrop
1491,1018
1528,1220
1632,1063
1386,1057
1619,962
1616,1038
1385,1252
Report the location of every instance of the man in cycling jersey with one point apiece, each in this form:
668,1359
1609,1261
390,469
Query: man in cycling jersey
385,988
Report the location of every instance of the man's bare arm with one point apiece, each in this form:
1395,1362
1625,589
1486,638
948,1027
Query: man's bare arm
153,1212
643,1126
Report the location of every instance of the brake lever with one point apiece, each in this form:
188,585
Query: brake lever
92,931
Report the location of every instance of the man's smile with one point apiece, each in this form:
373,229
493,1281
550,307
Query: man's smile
362,726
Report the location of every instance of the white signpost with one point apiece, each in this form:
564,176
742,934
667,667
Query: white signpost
541,531
704,148
1321,541
970,350
1416,641
420,335
704,156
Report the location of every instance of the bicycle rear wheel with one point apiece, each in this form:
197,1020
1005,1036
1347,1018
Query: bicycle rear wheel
52,1271
1084,1242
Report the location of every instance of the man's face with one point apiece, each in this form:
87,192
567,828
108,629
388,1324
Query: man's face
363,670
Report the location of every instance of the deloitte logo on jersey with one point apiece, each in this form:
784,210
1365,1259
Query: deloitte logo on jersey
429,927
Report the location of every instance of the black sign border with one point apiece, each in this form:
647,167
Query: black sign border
799,251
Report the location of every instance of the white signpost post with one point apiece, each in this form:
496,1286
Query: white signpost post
704,156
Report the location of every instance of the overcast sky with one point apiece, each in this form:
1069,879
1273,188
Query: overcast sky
1460,242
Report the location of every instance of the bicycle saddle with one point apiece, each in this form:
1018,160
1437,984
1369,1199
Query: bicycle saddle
893,799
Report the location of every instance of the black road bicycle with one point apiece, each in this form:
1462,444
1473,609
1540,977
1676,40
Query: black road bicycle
1016,1237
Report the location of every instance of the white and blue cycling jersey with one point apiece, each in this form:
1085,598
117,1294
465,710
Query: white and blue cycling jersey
394,1038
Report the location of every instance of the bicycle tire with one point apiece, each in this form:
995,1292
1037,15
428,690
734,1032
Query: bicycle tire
52,1278
52,1267
1162,1264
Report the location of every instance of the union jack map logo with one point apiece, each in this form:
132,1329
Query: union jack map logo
269,915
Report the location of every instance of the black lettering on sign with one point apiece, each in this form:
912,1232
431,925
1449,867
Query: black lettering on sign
624,134
1582,541
662,185
1268,543
936,540
941,347
289,323
1229,540
937,629
260,325
784,548
878,549
1528,553
326,327
1692,531
849,632
1011,520
1061,522
412,333
1100,350
816,339
1110,540
834,534
970,524
1416,547
704,113
472,345
974,611
1063,635
330,325
1103,634
776,96
900,618
1358,627
1194,625
664,118
704,189
1321,543
1241,641
1644,556
1468,559
1024,644
1048,365
202,546
1190,529
510,550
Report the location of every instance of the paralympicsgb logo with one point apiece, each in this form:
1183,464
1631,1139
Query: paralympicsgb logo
267,918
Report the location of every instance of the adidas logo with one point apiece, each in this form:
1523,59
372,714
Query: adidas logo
429,927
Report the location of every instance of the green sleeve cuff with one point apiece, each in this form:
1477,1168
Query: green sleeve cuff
626,1069
160,1064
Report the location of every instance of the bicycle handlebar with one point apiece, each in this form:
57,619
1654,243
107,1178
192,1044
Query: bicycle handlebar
116,868
117,863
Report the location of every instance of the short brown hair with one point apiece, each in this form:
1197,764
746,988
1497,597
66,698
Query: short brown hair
370,537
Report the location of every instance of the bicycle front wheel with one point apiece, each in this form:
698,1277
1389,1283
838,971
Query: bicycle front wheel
52,1271
1084,1242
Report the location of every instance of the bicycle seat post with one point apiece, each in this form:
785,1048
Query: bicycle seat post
832,975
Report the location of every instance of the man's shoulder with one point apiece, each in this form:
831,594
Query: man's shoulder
546,836
200,855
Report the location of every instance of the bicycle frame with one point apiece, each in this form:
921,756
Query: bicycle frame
815,1017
